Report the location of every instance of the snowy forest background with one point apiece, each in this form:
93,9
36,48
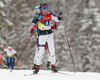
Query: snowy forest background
82,22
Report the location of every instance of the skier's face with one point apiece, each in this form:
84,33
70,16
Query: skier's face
10,49
44,12
45,9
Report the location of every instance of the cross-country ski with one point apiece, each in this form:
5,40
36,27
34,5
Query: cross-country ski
48,73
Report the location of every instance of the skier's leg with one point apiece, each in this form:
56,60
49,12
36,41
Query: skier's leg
48,55
12,63
50,42
42,41
6,66
41,44
49,62
36,50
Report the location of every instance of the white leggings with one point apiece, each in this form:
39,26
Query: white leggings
42,40
36,51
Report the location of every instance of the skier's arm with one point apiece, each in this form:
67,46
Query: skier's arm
15,54
54,26
36,19
55,18
60,15
33,28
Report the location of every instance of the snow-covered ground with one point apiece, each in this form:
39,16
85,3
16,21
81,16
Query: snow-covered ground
47,75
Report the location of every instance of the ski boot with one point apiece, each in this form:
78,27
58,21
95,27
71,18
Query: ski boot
14,68
54,68
33,67
48,66
36,70
5,67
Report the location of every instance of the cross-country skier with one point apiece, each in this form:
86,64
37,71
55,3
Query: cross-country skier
45,33
46,46
10,57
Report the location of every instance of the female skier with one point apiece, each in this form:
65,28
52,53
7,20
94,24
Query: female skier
45,34
34,28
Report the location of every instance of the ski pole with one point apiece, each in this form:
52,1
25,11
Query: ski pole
17,62
28,41
26,45
69,46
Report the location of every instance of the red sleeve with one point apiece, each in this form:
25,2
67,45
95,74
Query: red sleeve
34,27
52,27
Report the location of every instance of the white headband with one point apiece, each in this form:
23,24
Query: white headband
10,47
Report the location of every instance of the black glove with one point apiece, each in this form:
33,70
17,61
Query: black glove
60,13
55,26
31,31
